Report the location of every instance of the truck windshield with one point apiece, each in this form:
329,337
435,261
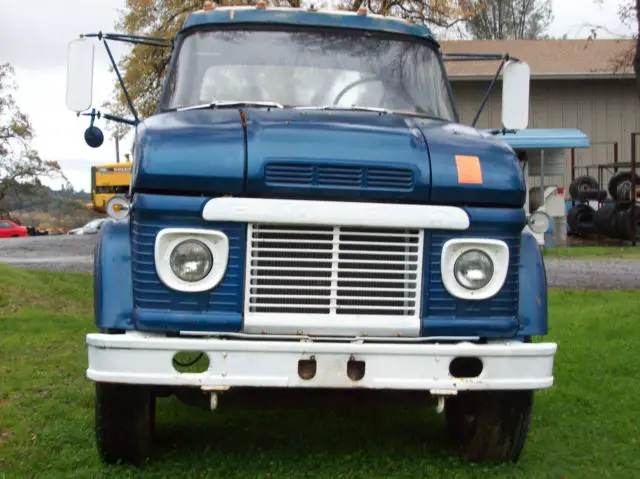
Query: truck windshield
309,69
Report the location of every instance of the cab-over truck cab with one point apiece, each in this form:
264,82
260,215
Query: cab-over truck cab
307,213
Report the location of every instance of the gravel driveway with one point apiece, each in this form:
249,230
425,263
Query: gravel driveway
75,253
59,252
593,273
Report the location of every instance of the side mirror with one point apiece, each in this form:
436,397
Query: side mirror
80,75
93,136
515,95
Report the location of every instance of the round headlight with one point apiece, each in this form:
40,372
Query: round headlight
473,269
539,222
191,260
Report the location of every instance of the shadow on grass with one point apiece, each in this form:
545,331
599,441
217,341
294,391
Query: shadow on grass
328,442
330,430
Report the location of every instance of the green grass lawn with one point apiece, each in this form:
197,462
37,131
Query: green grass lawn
586,426
593,252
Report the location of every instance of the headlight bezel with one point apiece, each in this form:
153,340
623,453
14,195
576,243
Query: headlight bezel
496,250
168,239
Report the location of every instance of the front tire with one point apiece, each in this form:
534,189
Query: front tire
489,425
124,422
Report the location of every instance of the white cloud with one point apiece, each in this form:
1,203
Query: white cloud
575,17
34,38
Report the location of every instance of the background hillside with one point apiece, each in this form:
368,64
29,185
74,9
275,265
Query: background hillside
51,210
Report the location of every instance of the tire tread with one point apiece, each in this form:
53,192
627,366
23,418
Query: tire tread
124,422
502,421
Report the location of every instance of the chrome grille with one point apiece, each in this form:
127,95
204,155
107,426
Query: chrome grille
336,271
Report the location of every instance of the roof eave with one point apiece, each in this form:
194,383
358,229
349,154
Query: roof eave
549,76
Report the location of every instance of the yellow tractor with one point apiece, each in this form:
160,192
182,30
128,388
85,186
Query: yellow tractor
109,182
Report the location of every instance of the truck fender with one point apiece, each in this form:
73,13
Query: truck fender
112,285
533,310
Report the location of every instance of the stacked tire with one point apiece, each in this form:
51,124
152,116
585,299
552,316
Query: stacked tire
582,217
586,188
581,220
620,222
613,219
620,188
603,219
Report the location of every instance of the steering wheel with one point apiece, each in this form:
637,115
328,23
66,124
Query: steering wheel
353,84
371,79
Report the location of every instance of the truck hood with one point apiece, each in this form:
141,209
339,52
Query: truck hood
190,152
375,156
324,154
337,154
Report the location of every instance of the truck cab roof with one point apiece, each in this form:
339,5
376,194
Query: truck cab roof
306,17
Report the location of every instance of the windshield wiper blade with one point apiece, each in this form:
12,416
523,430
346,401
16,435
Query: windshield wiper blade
347,108
384,111
233,104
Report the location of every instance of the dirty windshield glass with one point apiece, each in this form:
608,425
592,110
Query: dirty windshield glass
307,69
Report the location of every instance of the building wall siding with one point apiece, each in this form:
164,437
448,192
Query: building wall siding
605,110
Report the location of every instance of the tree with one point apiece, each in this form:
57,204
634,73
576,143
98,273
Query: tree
511,20
21,168
629,14
143,68
636,62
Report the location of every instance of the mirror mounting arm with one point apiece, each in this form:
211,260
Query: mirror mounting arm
135,39
107,116
505,59
124,88
120,119
81,68
472,57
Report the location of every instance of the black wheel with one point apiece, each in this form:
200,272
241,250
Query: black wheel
620,186
124,422
603,218
582,184
489,425
618,228
581,219
631,219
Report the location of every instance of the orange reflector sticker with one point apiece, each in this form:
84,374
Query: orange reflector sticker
469,170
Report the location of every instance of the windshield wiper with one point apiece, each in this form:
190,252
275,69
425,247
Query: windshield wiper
384,111
232,104
347,108
272,104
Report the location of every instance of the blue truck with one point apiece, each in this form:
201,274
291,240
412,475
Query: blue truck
307,214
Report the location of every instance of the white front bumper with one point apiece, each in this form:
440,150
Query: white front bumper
147,359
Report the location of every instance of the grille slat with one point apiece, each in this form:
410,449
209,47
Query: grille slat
336,271
302,175
312,270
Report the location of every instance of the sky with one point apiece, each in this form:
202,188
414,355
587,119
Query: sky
34,37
